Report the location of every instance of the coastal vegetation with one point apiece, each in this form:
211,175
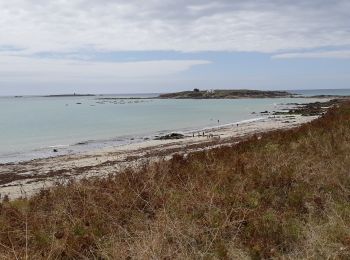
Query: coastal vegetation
281,194
226,93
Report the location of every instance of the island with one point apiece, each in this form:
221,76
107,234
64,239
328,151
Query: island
71,95
225,94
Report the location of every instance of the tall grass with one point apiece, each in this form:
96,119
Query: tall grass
284,195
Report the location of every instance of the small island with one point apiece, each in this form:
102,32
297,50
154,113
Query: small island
71,95
225,94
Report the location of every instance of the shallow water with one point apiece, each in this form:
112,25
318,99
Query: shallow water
315,92
31,127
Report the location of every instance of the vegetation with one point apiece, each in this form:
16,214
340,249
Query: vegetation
283,194
226,93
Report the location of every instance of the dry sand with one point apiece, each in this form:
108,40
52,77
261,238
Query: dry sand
26,178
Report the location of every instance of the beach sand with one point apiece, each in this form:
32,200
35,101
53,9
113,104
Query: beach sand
26,178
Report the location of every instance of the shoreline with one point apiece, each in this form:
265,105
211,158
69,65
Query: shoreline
27,178
92,145
111,143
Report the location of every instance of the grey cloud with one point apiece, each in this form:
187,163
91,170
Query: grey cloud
193,25
22,69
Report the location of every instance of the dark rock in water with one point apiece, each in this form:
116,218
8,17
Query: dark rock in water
82,143
253,113
78,103
170,136
264,112
310,109
55,150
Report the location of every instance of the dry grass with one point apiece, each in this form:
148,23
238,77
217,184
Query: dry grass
283,196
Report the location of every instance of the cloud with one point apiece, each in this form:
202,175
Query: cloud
187,26
341,54
56,41
14,68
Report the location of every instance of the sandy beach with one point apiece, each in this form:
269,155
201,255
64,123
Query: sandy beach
26,178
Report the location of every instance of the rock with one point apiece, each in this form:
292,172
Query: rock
310,109
170,136
55,150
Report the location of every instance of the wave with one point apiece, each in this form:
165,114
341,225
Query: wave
56,146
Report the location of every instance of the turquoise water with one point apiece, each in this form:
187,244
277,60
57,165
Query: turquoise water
30,127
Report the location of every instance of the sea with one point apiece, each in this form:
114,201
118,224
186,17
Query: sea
34,127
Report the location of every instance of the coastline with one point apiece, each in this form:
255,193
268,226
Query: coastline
27,178
88,146
46,148
250,197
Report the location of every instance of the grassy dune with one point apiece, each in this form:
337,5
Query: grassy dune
286,194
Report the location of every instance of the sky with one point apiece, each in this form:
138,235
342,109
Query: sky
153,46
